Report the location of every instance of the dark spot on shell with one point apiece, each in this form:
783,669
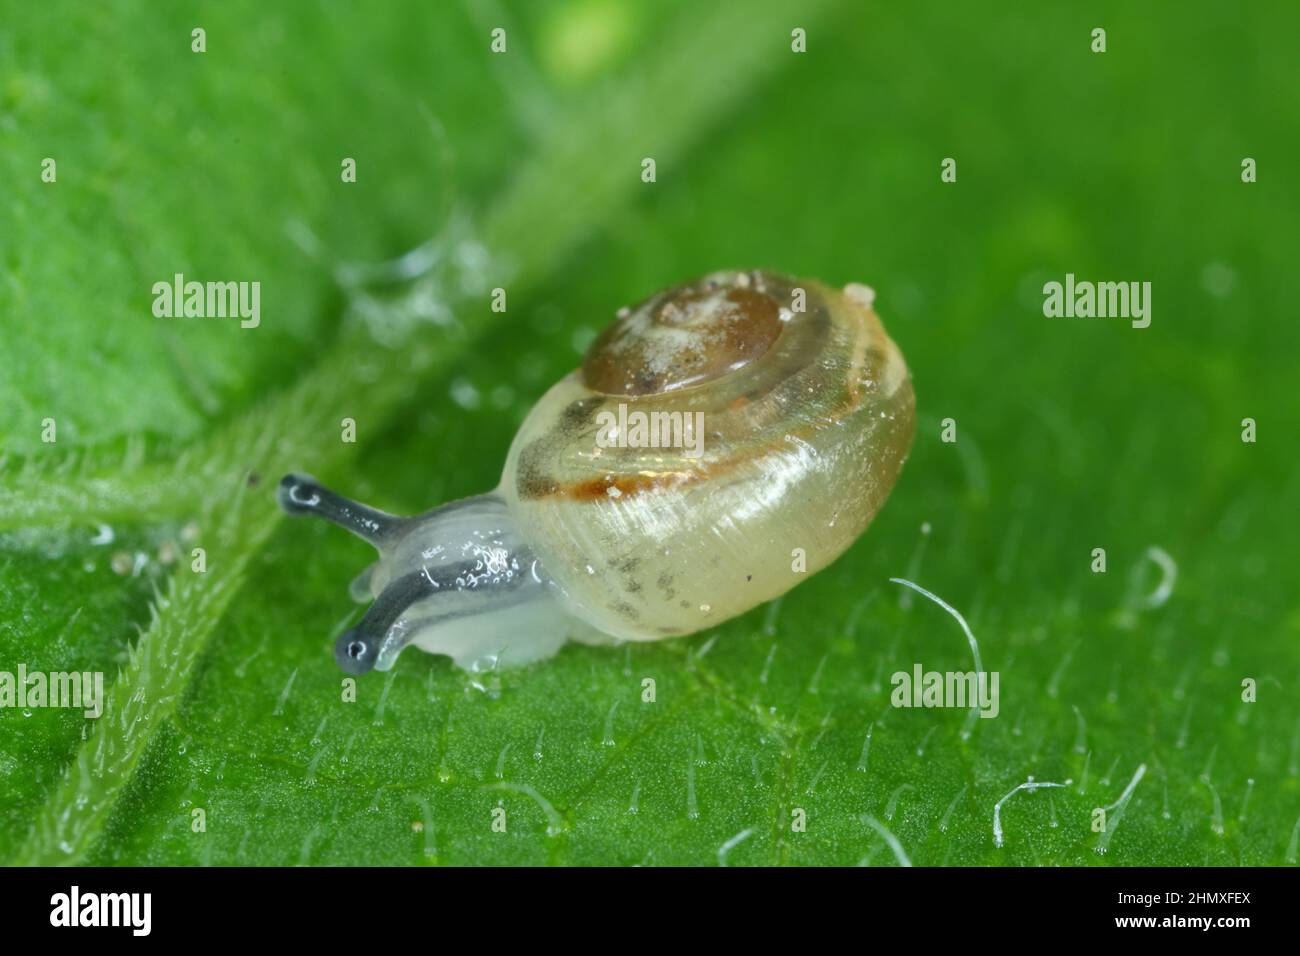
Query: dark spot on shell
530,480
580,413
627,611
529,484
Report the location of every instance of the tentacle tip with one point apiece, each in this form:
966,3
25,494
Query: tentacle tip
298,493
355,654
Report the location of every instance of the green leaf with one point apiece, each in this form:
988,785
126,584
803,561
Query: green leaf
771,739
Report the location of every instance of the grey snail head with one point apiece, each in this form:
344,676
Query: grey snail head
657,490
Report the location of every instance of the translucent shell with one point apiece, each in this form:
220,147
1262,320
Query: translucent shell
808,415
711,435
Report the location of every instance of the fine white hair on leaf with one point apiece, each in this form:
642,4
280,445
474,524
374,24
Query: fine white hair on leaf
920,748
727,847
1083,777
888,837
767,664
892,805
1081,735
554,822
1054,682
1216,818
1169,575
383,700
812,785
607,738
947,814
914,565
284,694
1245,800
866,749
1030,784
974,646
427,832
769,619
817,675
851,625
1118,806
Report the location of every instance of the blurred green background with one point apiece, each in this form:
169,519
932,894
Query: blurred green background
523,170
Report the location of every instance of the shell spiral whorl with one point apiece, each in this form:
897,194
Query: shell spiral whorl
808,415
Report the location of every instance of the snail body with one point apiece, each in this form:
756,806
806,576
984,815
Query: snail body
767,415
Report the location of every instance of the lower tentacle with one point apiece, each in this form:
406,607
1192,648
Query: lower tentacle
357,649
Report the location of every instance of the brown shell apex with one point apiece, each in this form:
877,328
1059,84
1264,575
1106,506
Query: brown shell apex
686,335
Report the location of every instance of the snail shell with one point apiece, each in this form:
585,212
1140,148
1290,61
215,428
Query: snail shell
659,489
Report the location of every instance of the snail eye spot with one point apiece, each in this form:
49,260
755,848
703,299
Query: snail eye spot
307,499
356,650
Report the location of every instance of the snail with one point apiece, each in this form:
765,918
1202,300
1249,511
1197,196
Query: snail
658,490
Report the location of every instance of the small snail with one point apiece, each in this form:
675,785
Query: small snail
656,491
